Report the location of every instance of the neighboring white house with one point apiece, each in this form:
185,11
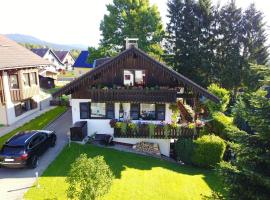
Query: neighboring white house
49,55
133,87
19,81
66,58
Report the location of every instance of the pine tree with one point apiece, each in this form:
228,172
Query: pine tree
189,38
255,37
230,60
248,178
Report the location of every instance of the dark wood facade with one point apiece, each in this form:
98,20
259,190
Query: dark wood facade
126,95
111,75
46,82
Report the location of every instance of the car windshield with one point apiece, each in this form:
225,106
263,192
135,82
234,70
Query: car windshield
12,149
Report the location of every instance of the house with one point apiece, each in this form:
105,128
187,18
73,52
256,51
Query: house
49,54
81,66
136,88
66,58
19,81
47,78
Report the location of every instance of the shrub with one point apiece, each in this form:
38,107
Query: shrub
113,122
118,124
133,127
123,128
152,128
224,96
184,150
89,178
219,123
208,150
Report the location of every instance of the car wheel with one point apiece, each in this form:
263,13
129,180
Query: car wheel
53,142
33,162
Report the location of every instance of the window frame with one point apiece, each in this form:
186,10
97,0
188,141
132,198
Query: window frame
88,115
133,72
157,111
154,116
26,78
133,110
17,78
110,107
33,78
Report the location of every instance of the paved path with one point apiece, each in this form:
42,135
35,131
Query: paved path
6,129
15,182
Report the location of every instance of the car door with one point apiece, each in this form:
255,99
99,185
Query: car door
43,140
34,146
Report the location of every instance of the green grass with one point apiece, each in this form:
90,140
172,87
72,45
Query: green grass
52,90
136,177
35,124
67,74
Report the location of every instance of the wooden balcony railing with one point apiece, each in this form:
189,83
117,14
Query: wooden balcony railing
159,133
16,94
2,96
128,95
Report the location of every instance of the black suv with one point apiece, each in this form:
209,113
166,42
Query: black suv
23,149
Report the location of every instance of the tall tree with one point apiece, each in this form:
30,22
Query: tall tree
133,19
255,49
249,176
229,59
190,39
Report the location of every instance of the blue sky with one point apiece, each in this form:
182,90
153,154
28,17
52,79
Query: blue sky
73,21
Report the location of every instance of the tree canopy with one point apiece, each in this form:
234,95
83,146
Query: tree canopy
132,19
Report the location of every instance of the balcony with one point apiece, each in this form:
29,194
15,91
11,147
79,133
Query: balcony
129,95
159,132
25,93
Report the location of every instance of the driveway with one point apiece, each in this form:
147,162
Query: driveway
15,182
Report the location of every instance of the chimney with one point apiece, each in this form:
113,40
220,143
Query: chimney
131,42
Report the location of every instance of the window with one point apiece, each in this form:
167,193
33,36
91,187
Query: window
148,111
26,79
134,111
128,78
13,81
160,112
33,78
24,106
98,110
85,110
110,110
140,77
134,77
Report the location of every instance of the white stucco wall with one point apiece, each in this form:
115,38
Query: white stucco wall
102,125
164,144
50,57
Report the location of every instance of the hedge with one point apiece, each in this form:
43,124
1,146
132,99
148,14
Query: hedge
208,151
184,150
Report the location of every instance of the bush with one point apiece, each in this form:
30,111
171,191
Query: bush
152,128
89,178
184,150
224,96
208,150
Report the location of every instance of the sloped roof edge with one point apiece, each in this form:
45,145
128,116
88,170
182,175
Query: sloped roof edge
76,83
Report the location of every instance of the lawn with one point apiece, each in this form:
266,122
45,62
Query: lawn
52,90
136,177
36,124
67,74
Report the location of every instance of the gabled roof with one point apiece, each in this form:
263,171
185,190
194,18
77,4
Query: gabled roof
69,88
100,61
42,52
61,54
13,55
81,61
